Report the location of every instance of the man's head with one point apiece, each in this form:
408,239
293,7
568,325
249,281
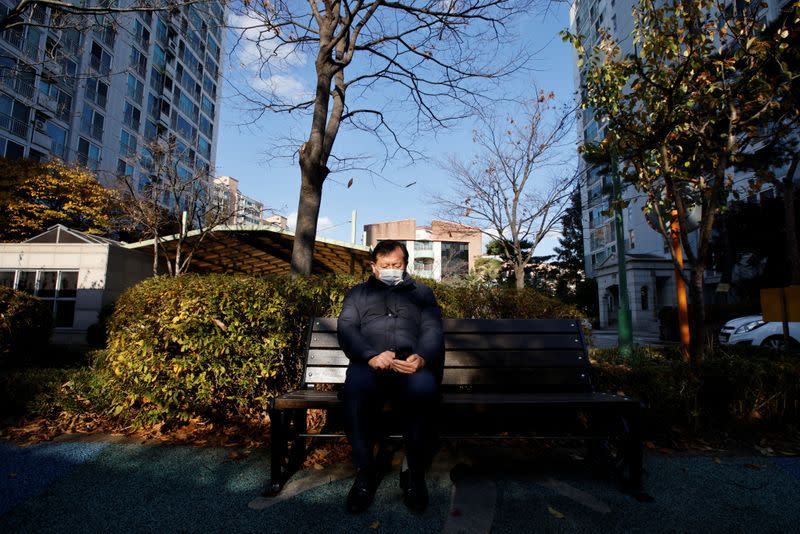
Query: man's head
389,255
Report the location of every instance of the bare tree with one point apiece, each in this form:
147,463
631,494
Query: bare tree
503,189
376,62
66,14
173,201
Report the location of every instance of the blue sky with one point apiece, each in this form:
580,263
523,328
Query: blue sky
245,146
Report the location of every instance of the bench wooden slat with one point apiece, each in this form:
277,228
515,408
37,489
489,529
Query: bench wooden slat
452,341
475,358
530,376
329,399
484,326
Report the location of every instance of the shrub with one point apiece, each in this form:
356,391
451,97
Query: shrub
220,346
26,324
734,390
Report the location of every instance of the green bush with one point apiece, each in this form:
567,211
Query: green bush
219,346
26,324
735,389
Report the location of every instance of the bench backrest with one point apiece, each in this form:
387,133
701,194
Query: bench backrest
496,354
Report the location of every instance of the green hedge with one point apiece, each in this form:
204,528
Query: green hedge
219,346
26,324
734,390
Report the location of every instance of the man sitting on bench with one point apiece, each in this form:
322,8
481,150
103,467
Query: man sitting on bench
390,329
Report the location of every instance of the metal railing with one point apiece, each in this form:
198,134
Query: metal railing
16,127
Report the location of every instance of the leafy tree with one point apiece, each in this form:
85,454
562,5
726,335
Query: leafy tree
392,69
35,196
572,286
569,255
503,189
680,113
776,157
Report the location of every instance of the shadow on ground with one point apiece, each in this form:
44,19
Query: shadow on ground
90,487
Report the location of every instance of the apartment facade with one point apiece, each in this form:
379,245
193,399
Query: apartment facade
102,90
442,251
246,211
650,273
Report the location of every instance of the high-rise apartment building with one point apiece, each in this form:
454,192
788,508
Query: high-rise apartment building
245,211
100,90
650,274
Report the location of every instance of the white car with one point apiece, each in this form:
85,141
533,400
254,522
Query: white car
752,330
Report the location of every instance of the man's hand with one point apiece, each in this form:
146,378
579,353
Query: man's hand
383,360
414,363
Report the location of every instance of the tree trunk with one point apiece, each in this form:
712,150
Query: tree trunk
519,275
697,315
791,223
312,178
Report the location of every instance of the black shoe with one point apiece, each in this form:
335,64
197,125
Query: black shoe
360,496
415,492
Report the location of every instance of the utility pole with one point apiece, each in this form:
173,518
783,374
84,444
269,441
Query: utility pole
624,333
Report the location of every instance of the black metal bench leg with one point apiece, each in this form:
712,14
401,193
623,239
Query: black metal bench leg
299,426
278,446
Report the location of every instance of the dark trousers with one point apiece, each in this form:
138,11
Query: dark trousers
415,397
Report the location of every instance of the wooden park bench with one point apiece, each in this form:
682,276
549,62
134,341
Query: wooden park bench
502,377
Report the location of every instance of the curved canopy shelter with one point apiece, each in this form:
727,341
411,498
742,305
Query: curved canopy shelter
260,250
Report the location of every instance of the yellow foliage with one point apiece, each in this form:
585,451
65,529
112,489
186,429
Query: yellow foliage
35,196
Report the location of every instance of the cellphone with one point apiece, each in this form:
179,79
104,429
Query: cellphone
403,353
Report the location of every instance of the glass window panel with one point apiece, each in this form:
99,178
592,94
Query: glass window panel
47,284
7,278
68,284
27,281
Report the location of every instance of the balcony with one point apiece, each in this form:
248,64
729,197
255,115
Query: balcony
42,139
14,126
99,67
95,131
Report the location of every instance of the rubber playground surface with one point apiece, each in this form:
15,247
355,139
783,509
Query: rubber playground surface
124,486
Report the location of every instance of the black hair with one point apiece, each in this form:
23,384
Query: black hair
387,246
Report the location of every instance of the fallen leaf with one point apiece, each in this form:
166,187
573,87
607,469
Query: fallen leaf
717,460
375,525
350,183
555,513
756,467
766,451
649,444
318,467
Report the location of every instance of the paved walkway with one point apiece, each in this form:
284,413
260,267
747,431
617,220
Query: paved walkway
134,487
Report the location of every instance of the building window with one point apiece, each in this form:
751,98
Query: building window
88,154
92,122
131,116
138,62
644,295
127,144
135,89
58,136
100,59
56,288
97,92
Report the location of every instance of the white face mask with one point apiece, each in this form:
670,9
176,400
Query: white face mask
391,277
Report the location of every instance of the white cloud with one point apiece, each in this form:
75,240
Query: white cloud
256,44
286,87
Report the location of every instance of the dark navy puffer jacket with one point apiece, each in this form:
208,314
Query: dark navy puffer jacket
376,317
